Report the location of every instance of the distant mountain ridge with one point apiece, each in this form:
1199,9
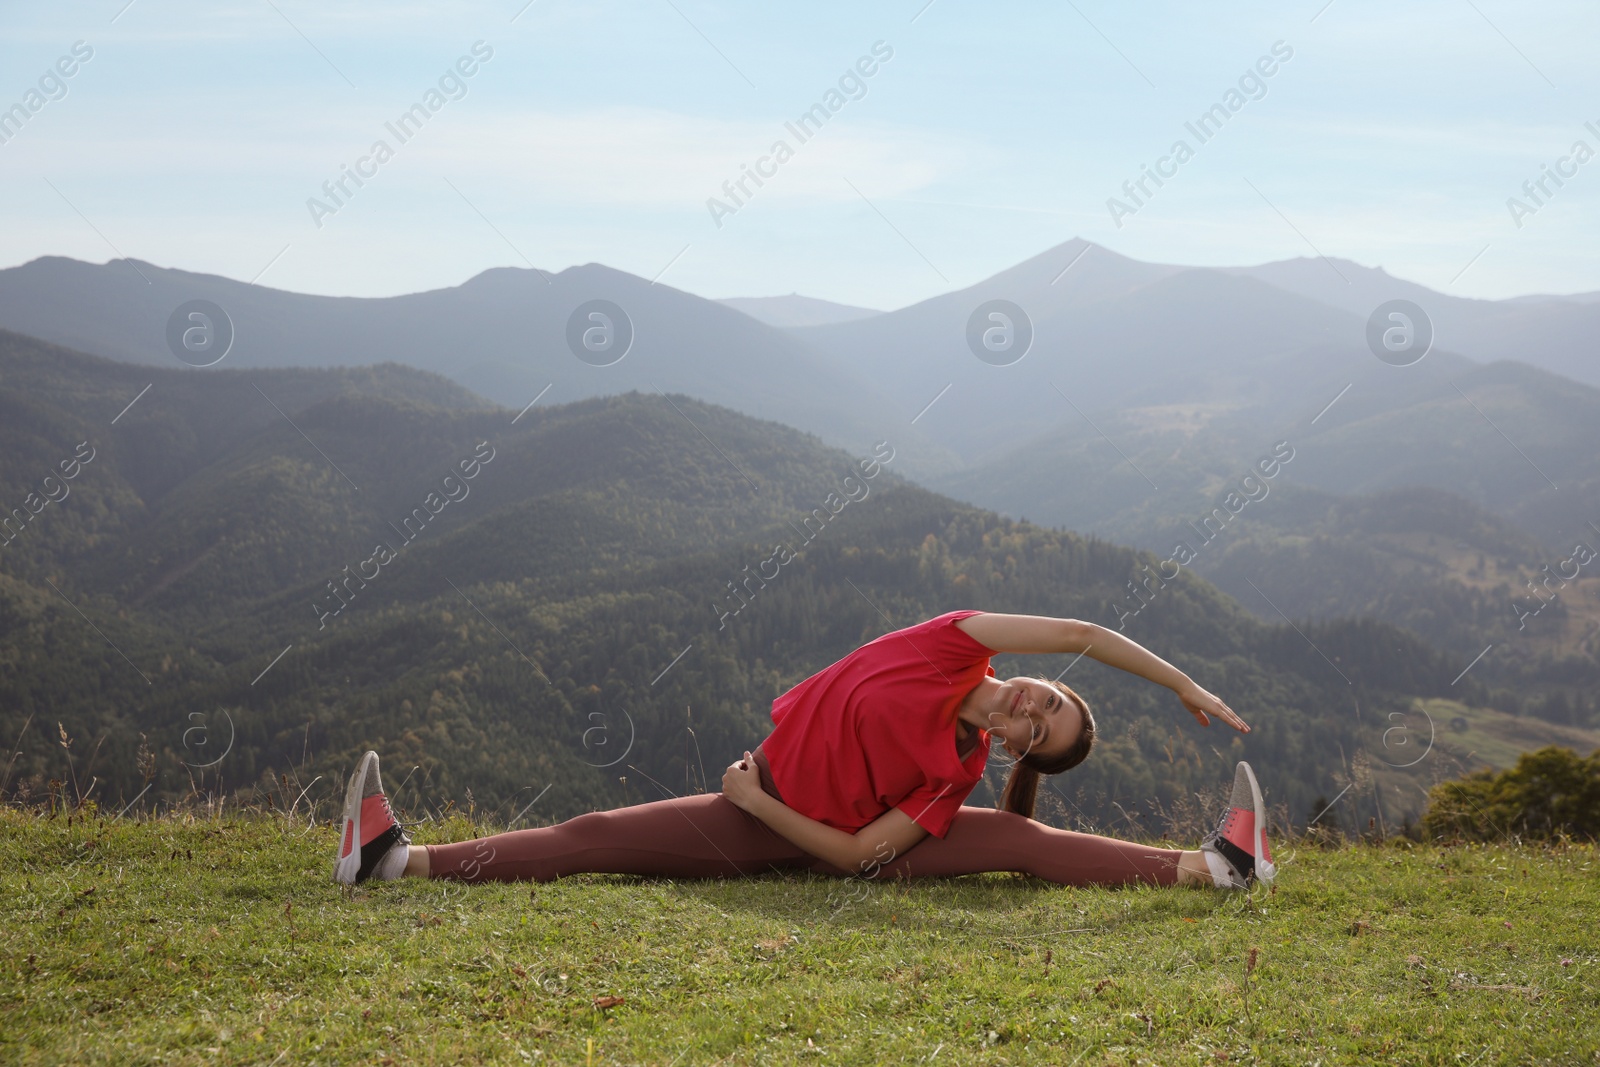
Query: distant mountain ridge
1109,332
1143,386
796,310
1554,333
505,334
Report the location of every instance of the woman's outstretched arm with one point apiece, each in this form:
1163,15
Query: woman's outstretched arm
1040,633
863,852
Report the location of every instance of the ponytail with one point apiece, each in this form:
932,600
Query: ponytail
1022,789
1022,786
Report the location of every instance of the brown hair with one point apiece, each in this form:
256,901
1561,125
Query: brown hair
1022,787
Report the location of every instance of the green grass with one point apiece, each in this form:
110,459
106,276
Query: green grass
220,941
1495,739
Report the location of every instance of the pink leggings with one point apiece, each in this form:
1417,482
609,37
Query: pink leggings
707,836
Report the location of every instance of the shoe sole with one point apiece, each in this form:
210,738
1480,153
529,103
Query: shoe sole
345,868
1265,870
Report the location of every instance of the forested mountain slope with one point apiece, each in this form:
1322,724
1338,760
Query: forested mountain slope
509,602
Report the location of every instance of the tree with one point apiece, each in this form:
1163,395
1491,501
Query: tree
1549,793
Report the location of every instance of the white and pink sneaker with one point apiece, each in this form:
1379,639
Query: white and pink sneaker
372,843
1236,851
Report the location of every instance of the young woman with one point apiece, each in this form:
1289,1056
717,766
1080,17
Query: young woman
864,773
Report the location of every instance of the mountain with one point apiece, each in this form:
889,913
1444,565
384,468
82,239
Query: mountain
1431,562
1515,440
796,310
506,334
1147,391
1235,349
1555,333
504,603
1148,388
1239,351
1430,507
1198,375
917,355
1149,345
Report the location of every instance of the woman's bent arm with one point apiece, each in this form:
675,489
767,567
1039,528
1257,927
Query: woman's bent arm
1028,633
1039,633
862,852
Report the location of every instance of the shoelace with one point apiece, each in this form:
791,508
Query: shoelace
389,811
1224,824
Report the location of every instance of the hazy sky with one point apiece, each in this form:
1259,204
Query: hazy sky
1394,135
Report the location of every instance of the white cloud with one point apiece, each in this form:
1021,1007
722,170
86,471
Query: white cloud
632,156
625,156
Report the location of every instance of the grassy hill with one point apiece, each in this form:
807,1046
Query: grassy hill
223,941
1474,737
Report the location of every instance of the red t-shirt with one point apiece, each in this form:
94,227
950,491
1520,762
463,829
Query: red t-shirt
877,730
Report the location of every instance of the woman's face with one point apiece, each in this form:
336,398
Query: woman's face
1029,715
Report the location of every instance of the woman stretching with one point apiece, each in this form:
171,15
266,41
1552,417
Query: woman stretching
864,773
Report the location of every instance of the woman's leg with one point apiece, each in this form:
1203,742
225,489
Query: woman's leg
704,836
983,839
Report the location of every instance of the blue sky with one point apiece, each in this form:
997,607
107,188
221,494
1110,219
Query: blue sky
597,131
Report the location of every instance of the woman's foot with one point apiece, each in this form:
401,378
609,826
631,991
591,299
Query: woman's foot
1236,852
372,843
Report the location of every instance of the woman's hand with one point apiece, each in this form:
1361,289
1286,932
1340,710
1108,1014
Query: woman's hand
1202,705
741,783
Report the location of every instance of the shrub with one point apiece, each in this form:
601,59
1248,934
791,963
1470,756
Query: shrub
1551,792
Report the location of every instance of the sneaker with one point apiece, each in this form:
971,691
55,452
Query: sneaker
372,843
1236,851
